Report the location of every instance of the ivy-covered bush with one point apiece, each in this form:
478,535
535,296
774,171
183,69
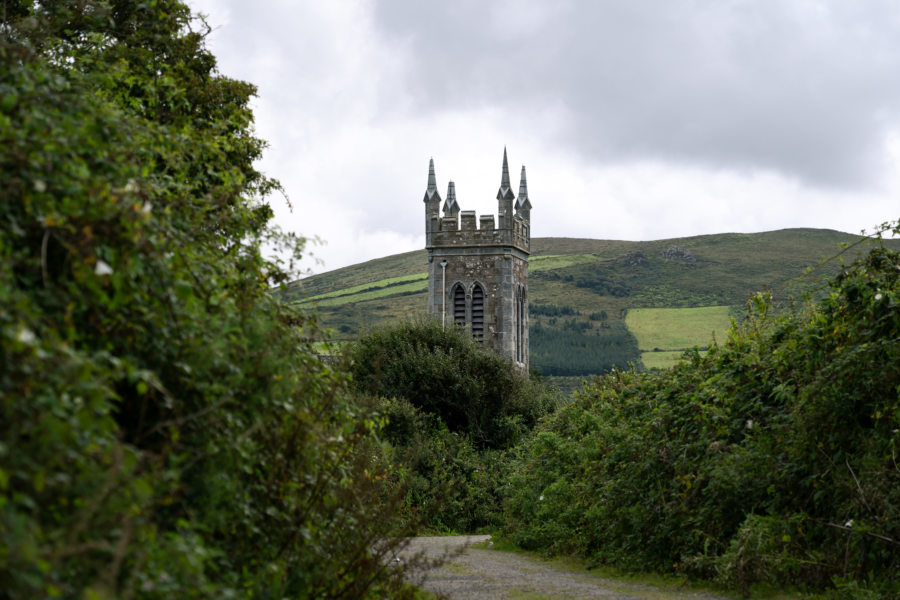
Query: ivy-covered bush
771,459
165,428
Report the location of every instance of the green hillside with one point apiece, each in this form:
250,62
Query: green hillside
580,291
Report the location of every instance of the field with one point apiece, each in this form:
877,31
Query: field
369,293
664,333
663,359
350,293
677,328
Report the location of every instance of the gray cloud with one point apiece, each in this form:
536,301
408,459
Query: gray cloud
803,88
679,117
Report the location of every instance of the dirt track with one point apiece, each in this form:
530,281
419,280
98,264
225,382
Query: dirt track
477,573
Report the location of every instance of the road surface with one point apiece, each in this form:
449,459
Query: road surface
484,574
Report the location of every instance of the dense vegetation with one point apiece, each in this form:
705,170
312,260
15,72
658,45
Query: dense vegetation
165,429
453,407
773,458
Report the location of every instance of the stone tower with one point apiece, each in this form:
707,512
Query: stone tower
478,272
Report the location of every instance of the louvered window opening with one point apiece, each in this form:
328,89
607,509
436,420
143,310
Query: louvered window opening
459,305
478,313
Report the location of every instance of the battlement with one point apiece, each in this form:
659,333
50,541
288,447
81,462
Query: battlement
458,228
461,230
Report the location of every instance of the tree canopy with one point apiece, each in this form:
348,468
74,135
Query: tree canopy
165,428
443,372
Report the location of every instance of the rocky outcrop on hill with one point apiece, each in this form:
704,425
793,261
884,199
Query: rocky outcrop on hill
634,259
676,253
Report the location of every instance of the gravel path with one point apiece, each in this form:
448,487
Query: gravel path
480,574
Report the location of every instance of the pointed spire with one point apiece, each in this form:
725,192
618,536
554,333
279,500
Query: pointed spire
505,192
432,181
431,192
504,179
522,201
450,205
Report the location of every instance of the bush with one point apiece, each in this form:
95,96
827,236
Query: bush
444,372
770,459
452,408
165,428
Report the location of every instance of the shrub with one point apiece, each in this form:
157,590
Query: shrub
444,372
772,458
165,428
452,408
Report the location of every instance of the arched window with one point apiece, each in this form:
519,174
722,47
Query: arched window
459,305
477,312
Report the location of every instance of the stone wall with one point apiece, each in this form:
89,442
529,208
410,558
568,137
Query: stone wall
498,270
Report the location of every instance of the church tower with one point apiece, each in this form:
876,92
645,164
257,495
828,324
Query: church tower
478,273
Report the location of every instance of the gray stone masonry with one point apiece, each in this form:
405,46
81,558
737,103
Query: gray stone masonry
483,284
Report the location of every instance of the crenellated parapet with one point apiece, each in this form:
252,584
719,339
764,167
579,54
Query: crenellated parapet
463,228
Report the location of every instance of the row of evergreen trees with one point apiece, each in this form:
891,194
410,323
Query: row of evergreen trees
580,349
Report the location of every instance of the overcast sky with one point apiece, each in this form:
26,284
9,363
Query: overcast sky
636,119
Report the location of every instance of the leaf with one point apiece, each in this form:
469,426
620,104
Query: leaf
8,102
184,290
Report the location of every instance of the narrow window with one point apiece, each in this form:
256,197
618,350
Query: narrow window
459,305
478,312
520,323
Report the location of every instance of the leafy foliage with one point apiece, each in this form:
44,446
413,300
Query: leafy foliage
452,408
450,485
772,458
444,372
165,428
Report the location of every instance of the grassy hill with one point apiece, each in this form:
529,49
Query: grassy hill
584,294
